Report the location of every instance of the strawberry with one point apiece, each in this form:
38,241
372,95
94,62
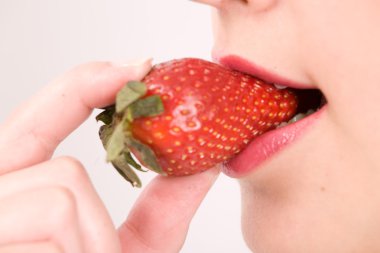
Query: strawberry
188,115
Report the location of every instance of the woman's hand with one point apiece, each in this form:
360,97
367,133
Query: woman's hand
51,206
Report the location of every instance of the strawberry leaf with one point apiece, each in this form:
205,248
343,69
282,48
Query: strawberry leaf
106,115
131,92
131,161
115,144
126,171
145,154
120,163
105,132
147,107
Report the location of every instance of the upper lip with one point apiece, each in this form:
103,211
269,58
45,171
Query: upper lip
240,64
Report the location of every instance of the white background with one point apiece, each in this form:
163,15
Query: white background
40,39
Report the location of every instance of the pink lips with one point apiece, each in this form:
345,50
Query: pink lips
267,145
238,63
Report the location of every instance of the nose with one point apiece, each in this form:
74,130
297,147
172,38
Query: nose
254,5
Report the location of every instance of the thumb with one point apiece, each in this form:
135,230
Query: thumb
160,219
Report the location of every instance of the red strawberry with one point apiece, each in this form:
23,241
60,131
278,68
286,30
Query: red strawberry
199,114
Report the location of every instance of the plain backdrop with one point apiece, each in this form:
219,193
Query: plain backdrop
41,39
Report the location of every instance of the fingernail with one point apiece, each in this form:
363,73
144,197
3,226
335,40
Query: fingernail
136,69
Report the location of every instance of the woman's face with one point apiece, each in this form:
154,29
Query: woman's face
320,192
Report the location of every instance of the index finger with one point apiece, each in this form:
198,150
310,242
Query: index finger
33,131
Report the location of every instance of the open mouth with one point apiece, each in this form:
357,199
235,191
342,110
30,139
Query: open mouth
311,105
309,102
310,99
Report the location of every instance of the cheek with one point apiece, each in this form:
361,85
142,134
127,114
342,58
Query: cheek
339,40
340,49
267,225
302,203
266,38
310,225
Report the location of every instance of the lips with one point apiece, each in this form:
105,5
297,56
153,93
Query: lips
239,63
266,146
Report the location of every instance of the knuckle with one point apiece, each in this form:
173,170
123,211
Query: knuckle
63,205
130,234
68,161
72,169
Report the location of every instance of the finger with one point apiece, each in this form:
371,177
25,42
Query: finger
49,213
96,226
160,219
31,247
33,131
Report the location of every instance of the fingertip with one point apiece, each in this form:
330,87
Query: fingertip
137,68
141,62
102,80
214,172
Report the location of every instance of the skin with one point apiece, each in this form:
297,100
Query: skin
61,211
318,195
321,193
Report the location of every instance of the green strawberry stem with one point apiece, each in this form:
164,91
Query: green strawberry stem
116,134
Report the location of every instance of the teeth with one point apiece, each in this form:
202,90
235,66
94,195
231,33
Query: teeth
296,118
280,87
282,125
310,111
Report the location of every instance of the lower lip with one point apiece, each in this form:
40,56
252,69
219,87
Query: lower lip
266,146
